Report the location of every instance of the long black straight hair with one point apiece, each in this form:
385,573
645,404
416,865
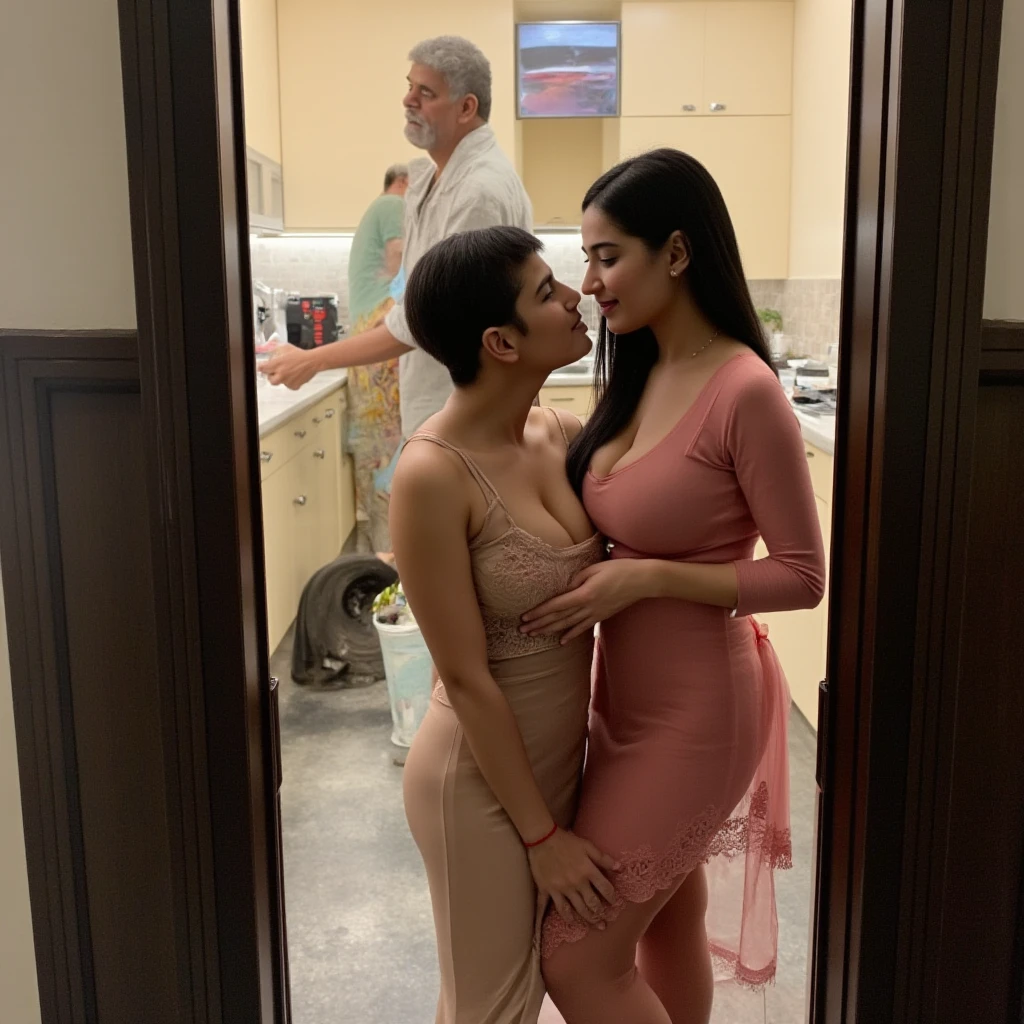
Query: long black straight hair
649,198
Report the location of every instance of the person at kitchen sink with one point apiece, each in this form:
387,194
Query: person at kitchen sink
466,182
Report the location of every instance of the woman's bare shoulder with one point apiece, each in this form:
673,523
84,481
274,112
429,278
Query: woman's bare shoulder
426,469
559,425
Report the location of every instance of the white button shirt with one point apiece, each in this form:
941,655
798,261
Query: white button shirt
478,188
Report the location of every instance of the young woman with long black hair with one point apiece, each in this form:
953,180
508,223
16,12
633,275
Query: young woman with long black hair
692,453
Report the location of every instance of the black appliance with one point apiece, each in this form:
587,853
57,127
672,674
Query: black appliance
312,320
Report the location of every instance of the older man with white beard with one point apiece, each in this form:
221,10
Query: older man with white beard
466,183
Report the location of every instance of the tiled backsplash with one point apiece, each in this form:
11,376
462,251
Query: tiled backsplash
810,312
314,265
308,264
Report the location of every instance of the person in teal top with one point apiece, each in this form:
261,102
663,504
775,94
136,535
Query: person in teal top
375,431
376,255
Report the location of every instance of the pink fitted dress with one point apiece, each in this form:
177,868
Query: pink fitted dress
687,760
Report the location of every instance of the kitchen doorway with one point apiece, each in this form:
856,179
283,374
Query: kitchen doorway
909,300
341,795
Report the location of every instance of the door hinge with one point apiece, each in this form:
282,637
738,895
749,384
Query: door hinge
820,769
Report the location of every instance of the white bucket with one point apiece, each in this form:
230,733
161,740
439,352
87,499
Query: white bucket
407,667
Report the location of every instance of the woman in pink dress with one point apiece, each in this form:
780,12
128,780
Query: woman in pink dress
692,453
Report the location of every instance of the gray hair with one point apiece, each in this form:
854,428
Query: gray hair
466,70
394,173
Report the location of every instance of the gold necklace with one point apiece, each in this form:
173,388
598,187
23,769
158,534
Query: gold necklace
693,355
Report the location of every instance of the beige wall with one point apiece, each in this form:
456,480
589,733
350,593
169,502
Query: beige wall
821,75
19,997
65,262
260,77
561,159
65,243
568,10
1004,273
343,69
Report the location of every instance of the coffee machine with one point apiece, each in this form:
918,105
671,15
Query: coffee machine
312,320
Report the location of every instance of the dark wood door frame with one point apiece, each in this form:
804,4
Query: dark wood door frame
922,109
922,119
181,67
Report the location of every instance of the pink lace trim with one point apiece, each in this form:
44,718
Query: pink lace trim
644,873
728,960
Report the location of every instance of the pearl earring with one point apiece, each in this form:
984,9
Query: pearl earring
673,272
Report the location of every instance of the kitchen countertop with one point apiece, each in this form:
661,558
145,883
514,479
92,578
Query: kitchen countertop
579,374
570,378
278,404
818,430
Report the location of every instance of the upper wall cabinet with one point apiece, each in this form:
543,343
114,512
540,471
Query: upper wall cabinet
262,114
266,193
710,58
260,80
663,59
748,58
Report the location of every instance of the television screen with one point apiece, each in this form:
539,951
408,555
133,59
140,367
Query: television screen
568,69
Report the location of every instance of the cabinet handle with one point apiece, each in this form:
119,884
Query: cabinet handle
568,401
316,421
319,453
717,106
300,433
300,500
689,107
810,455
266,456
329,414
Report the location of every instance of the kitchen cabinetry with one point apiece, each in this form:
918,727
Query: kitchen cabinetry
663,59
748,59
260,87
800,637
576,399
749,158
707,59
260,79
308,504
265,184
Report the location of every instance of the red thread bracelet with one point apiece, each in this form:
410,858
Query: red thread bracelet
537,842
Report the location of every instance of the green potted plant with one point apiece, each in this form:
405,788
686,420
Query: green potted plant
772,320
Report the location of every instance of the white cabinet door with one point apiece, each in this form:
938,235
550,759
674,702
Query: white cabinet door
662,59
702,59
748,58
283,542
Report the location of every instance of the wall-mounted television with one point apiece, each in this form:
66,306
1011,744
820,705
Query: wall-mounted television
568,69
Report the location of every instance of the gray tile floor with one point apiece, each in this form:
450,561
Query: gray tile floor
360,934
